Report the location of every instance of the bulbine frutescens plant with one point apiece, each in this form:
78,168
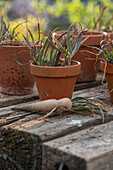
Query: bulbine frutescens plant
46,51
3,30
106,52
7,37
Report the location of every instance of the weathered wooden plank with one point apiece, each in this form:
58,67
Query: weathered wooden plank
19,151
83,93
57,126
5,111
13,136
88,149
7,100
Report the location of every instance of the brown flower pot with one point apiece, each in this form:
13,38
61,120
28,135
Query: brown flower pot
111,34
55,82
89,66
109,77
14,78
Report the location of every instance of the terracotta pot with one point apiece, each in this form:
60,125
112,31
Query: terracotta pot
109,77
89,64
15,79
111,34
55,82
89,67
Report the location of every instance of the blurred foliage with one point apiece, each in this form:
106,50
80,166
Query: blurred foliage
77,11
32,24
74,11
94,10
1,4
5,6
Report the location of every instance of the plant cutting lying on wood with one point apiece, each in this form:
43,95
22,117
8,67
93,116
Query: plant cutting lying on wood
78,105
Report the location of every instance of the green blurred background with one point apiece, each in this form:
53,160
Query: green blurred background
59,13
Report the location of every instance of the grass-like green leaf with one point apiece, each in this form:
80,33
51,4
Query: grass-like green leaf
82,42
82,104
76,44
31,35
38,25
85,27
27,40
44,45
3,28
21,63
68,39
60,46
13,32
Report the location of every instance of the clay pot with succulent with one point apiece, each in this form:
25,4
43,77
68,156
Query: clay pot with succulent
14,79
51,65
106,56
86,55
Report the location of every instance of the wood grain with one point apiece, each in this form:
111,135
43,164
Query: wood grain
21,135
8,100
88,149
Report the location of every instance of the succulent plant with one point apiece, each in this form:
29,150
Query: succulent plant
46,51
3,30
106,52
8,37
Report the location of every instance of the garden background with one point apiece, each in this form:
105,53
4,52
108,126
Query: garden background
58,13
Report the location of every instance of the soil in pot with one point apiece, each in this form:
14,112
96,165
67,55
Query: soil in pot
14,78
55,82
109,77
89,66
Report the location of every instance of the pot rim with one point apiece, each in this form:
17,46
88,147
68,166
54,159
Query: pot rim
95,33
109,67
93,40
65,71
74,61
14,46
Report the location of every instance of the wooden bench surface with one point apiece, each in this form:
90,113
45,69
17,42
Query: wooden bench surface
8,100
22,136
52,127
90,149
